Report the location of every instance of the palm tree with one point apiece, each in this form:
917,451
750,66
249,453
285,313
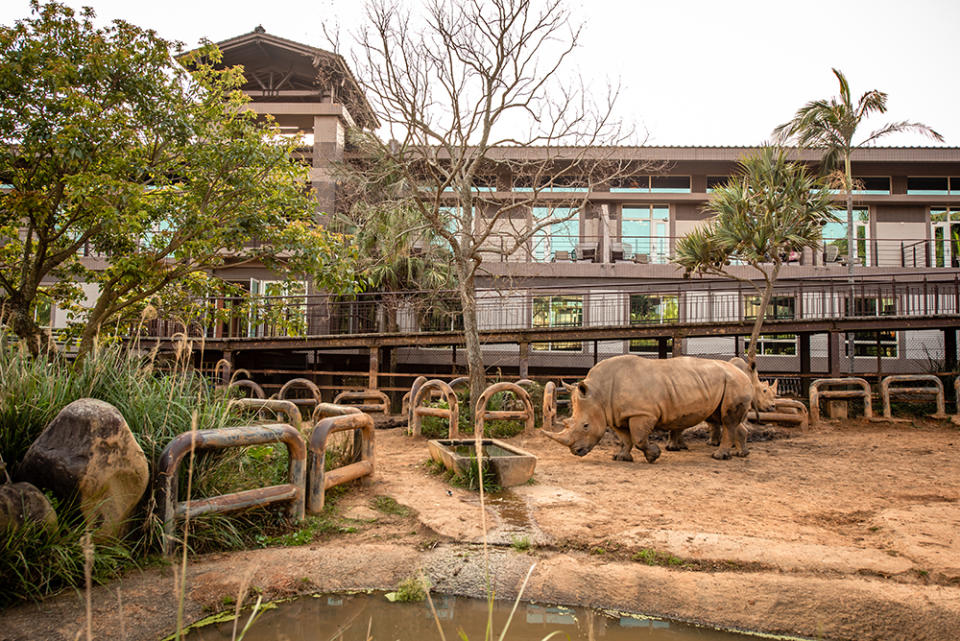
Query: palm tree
771,208
831,125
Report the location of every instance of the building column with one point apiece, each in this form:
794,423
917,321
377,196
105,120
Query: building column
329,139
374,367
524,360
804,347
833,353
950,349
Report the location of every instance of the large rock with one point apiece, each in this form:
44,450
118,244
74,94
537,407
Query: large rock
22,502
88,454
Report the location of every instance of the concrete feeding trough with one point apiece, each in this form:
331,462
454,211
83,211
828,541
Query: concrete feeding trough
511,465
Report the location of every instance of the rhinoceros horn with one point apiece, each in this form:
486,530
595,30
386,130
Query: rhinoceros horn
564,437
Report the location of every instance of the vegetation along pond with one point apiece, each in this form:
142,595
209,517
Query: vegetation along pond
358,617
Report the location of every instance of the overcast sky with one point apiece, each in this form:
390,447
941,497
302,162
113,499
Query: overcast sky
693,72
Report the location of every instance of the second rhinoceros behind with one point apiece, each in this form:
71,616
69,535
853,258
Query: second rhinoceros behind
634,395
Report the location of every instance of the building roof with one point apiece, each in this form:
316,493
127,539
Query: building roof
277,68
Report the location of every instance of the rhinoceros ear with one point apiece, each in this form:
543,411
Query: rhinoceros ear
582,388
776,383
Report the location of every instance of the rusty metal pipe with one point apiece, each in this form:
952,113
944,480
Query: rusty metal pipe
274,405
317,456
225,438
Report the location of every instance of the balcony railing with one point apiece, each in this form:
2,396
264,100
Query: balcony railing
689,302
659,250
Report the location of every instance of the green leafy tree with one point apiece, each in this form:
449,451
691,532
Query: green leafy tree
771,208
831,125
113,148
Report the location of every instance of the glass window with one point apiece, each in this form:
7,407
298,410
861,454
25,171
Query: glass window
558,311
945,232
654,184
883,343
716,181
871,185
634,184
775,344
670,184
925,185
645,229
779,307
562,235
835,235
652,308
869,343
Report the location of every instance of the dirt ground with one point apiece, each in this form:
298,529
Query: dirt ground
850,531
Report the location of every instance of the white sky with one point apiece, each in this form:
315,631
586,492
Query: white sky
694,72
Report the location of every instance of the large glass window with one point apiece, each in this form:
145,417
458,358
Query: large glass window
871,343
779,308
277,308
835,237
652,308
652,184
560,236
646,228
933,185
558,311
945,232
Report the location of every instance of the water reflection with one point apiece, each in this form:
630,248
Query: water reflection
353,617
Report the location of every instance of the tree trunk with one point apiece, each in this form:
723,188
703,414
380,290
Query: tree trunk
22,323
851,239
761,316
471,335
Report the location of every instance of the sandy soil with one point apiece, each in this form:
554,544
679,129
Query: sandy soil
846,532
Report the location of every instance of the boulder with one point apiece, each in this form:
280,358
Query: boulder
89,455
22,502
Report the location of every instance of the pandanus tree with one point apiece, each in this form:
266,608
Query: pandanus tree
770,209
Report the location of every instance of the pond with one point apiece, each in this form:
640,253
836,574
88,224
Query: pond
349,617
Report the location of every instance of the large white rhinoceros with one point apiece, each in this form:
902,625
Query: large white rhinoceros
634,395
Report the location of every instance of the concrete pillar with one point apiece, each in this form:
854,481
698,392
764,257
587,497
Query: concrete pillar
804,347
329,138
833,352
524,360
374,367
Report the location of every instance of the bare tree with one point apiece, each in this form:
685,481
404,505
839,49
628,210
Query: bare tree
455,87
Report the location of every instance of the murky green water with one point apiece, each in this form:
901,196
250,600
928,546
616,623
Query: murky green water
352,617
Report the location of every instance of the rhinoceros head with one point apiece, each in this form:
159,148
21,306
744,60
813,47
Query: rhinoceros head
587,423
764,394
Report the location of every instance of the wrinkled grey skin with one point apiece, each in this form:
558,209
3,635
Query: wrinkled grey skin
633,396
764,400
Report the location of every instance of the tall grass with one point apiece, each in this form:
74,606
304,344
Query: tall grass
158,401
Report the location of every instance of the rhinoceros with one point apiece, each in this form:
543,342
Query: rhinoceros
634,395
764,400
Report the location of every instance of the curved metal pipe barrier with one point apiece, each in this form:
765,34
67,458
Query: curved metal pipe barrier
452,413
786,411
222,379
250,385
405,403
381,406
815,394
936,389
300,383
325,410
482,415
458,381
233,377
320,480
290,410
293,492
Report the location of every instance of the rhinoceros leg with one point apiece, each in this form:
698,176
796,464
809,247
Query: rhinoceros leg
640,428
626,444
676,442
732,413
716,430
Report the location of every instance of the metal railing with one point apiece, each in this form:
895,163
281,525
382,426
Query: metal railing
690,302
